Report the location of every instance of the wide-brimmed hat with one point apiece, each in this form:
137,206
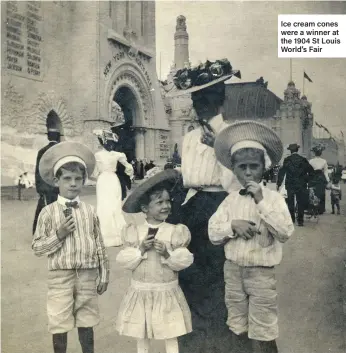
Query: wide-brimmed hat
168,177
293,147
62,153
247,131
204,75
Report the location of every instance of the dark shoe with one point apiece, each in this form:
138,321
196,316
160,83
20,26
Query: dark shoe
264,347
241,343
338,212
333,212
300,224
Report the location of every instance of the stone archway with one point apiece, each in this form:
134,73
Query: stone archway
129,88
129,75
128,103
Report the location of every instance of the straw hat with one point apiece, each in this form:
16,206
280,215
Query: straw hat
168,177
247,133
62,153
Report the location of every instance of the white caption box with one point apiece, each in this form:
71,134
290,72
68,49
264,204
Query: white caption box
312,36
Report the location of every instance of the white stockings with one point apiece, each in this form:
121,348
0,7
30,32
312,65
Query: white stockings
171,345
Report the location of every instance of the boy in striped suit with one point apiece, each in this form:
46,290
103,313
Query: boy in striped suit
68,232
252,223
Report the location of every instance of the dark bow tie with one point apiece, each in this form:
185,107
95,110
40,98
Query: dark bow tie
152,231
73,204
243,192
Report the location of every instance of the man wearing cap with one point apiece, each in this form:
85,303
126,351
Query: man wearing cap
48,193
298,172
203,282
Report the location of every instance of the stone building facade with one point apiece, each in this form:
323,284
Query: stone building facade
76,58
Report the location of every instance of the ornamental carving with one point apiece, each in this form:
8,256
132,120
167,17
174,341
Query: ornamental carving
129,34
32,118
129,79
181,23
291,93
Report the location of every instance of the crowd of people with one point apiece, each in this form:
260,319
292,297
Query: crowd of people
203,262
305,183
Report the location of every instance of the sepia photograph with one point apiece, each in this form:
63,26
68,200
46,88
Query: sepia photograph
172,176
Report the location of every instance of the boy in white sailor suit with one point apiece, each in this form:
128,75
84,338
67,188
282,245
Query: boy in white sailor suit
252,223
68,232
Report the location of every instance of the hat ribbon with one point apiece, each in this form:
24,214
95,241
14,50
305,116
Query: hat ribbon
252,144
65,160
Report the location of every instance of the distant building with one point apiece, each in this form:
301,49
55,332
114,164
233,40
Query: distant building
72,59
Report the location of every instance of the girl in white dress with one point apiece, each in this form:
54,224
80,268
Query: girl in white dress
154,306
108,188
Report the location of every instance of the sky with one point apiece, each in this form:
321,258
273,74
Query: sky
246,33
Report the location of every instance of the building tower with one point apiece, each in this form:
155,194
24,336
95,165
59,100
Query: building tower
181,44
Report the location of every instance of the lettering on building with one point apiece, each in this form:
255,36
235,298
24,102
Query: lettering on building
121,56
24,29
163,145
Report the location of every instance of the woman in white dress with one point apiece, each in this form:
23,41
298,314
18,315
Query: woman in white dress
320,178
108,188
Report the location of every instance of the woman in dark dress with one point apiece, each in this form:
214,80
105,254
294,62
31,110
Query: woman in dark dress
201,194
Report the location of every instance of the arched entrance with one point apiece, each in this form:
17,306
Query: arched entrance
129,105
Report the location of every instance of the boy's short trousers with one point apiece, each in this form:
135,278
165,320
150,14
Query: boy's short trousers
250,296
72,300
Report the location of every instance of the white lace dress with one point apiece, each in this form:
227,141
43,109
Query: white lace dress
154,306
108,195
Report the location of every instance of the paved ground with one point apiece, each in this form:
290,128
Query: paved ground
310,281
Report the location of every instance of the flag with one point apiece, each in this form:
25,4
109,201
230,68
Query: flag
307,77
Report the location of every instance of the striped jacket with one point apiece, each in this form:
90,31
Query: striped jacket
82,249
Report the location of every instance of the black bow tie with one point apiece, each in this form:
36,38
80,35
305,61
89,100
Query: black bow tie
152,231
73,204
243,192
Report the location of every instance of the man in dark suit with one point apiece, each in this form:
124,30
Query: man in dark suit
298,171
125,180
48,194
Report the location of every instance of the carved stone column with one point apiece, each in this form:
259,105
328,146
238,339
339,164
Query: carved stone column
140,143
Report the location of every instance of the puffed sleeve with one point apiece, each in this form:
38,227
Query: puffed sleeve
325,170
130,257
180,257
128,167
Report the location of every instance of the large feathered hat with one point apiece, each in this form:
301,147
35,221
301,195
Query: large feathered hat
190,80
